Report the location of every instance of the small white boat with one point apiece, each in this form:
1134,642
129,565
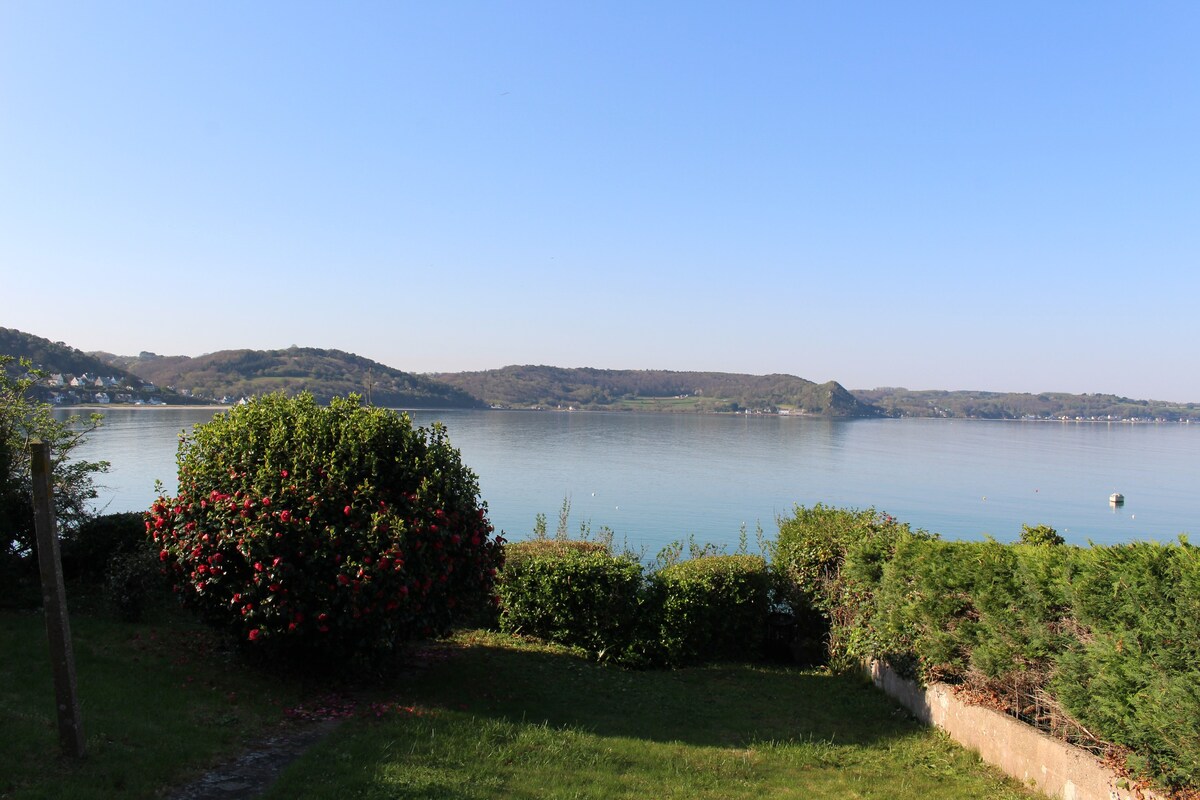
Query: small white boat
1117,499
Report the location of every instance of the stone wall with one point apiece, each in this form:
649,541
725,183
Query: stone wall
1049,765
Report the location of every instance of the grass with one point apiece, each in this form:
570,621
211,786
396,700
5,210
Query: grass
160,700
490,716
480,716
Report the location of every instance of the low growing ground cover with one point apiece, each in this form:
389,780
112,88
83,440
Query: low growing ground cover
494,716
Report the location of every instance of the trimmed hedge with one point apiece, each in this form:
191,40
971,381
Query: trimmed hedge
711,608
580,594
570,592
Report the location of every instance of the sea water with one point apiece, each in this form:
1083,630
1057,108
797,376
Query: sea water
655,478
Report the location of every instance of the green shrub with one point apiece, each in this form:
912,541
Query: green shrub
711,608
1042,535
516,552
827,564
972,609
571,592
1133,675
87,551
326,532
1111,633
22,420
132,580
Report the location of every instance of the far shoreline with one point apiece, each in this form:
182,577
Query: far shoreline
100,408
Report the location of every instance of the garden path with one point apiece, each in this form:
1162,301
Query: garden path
252,773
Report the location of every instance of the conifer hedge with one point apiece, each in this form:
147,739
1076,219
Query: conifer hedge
1110,635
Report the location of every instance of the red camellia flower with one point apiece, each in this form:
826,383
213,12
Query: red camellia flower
346,511
254,634
285,516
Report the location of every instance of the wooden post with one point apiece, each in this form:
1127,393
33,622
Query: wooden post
54,601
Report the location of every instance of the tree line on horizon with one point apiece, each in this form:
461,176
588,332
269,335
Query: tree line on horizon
233,374
899,402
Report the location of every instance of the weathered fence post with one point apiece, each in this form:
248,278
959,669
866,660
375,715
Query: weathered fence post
54,601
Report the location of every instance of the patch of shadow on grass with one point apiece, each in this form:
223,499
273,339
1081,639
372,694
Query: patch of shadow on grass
721,705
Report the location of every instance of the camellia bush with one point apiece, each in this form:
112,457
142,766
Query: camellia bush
325,531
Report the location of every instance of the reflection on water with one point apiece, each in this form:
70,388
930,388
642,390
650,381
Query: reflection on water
657,477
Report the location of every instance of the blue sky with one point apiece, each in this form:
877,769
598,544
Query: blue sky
1000,196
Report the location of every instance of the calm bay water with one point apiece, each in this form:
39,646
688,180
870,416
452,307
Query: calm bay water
653,478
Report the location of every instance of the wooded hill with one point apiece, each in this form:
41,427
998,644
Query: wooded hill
55,356
61,359
899,402
655,390
234,374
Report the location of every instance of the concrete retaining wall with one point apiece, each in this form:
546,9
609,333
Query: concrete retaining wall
1047,764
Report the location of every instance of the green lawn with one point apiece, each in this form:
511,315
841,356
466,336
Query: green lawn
488,716
480,716
160,700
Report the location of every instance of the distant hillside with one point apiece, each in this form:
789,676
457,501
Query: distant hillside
655,390
74,377
1001,405
233,374
54,356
